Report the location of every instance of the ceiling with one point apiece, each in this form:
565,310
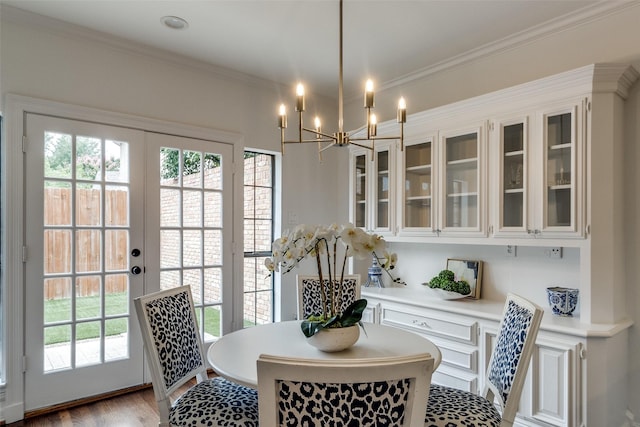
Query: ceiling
298,40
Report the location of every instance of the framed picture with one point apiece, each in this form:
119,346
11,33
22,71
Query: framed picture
468,270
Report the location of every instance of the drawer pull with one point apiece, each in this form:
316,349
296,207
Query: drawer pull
419,323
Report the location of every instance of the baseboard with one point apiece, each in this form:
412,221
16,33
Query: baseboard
13,413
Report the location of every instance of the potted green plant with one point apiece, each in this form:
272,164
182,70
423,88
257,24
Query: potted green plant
328,244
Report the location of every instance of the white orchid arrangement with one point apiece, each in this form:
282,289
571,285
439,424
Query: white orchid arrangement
326,244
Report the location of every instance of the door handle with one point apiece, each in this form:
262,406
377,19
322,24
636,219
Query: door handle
136,270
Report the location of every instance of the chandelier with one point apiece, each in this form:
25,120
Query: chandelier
340,138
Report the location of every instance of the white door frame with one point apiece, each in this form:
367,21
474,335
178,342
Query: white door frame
13,167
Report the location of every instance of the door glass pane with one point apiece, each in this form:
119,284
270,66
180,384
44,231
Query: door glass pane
212,171
191,169
192,248
192,208
513,175
57,250
88,158
417,185
462,181
57,300
171,201
213,247
116,297
116,201
212,209
88,205
57,203
57,351
115,344
88,300
57,155
88,250
116,161
88,343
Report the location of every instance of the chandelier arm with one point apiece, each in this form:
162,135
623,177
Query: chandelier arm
315,132
327,147
360,145
375,138
305,141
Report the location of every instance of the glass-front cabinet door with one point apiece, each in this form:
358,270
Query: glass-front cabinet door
383,173
560,133
416,185
463,156
513,182
360,165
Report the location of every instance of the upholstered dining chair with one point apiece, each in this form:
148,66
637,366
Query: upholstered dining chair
333,392
175,354
310,297
504,377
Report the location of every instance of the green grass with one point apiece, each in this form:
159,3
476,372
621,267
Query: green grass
59,310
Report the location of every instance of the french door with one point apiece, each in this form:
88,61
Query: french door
112,213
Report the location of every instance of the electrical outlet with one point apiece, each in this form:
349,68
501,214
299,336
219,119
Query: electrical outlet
511,250
554,253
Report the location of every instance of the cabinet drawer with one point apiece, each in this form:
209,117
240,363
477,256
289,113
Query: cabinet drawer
454,379
452,328
458,356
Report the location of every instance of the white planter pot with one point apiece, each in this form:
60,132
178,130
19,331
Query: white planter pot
335,339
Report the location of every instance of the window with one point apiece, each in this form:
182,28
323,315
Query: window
258,235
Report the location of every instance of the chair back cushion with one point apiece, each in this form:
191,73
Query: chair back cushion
344,392
377,403
172,331
513,349
310,294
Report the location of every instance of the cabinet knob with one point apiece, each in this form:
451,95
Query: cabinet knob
420,323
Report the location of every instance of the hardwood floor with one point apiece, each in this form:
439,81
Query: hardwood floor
134,409
137,408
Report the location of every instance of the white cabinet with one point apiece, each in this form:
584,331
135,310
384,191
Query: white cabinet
538,172
456,337
552,394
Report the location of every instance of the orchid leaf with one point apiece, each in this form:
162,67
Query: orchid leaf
352,314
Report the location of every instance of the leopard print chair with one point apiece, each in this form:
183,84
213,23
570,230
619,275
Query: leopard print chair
174,350
505,376
310,296
389,392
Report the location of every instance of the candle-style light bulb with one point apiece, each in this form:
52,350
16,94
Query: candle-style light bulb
402,111
282,117
373,125
300,97
316,123
368,94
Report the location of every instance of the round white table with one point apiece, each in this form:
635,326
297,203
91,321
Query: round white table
234,356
